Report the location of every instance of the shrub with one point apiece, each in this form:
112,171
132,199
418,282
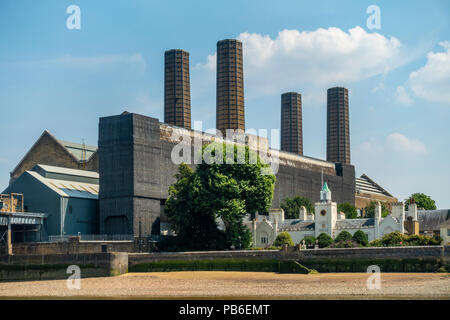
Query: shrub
309,241
343,236
360,237
393,239
345,244
324,240
282,239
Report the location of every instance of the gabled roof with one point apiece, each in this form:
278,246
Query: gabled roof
367,185
74,150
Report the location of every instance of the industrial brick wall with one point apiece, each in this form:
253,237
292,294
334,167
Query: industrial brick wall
136,171
69,247
437,252
54,266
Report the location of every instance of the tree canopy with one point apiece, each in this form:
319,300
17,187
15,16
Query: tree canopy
369,210
348,209
422,201
291,206
219,190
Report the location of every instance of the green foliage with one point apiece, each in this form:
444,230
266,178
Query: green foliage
291,206
360,237
309,240
369,210
422,201
348,209
395,238
345,244
282,239
219,190
324,240
343,236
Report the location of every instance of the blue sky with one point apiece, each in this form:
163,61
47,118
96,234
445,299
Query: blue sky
398,76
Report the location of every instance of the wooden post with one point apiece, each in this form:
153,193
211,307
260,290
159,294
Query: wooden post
8,238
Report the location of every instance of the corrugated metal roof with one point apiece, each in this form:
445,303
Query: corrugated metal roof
365,184
68,188
77,149
67,171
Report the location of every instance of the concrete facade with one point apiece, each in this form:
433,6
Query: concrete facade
136,171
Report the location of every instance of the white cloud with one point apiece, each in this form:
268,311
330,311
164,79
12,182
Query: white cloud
394,143
432,81
399,142
402,96
311,61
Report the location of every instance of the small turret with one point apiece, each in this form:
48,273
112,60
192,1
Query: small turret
325,194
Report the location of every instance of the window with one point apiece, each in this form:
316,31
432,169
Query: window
448,232
264,240
70,209
323,212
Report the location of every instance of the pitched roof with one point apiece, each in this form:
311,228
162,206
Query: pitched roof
296,225
367,185
77,149
69,172
430,220
355,223
66,188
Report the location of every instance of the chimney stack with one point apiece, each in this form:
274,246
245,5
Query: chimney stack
177,91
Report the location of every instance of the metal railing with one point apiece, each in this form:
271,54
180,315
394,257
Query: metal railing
93,237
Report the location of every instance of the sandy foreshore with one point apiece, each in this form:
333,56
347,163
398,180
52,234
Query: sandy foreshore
237,285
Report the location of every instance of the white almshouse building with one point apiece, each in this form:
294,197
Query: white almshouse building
325,219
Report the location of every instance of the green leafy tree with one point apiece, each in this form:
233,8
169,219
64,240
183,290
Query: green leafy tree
282,239
291,206
343,236
230,191
324,240
422,201
348,209
369,210
361,237
195,229
218,189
